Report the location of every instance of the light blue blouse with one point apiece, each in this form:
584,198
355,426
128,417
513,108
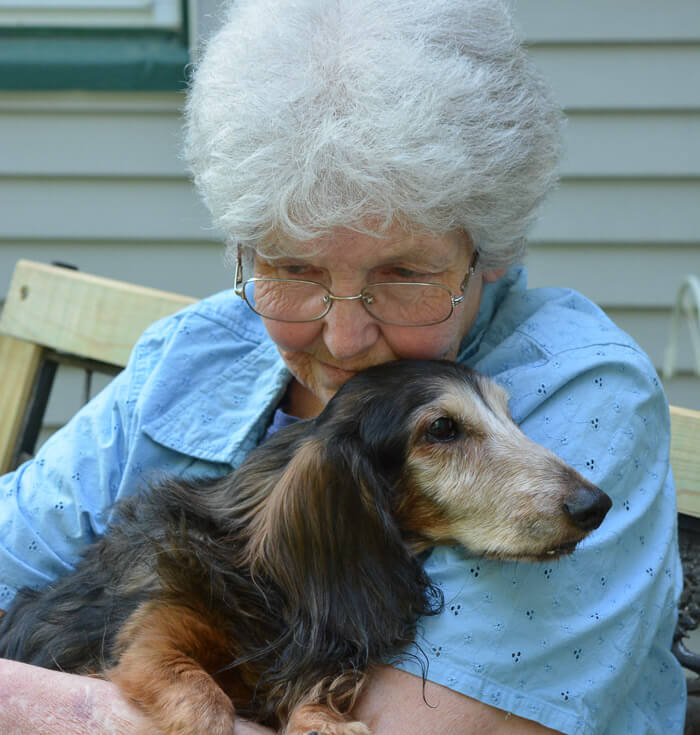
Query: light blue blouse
580,644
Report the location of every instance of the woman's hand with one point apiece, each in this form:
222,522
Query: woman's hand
35,700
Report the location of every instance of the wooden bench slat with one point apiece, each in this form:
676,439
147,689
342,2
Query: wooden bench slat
19,365
685,458
98,318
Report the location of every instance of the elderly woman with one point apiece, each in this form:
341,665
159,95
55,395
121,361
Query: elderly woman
378,165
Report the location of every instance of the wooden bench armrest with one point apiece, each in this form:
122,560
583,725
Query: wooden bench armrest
685,458
72,313
81,314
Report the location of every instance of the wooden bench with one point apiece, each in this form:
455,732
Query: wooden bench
685,459
58,315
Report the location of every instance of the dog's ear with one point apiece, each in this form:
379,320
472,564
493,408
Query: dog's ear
327,540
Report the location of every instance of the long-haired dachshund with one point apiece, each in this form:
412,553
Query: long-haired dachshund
271,592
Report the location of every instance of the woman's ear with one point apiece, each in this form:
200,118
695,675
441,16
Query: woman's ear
492,275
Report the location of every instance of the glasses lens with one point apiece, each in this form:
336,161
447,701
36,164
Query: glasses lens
408,304
286,301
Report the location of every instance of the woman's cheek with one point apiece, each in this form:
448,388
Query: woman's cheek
292,336
440,341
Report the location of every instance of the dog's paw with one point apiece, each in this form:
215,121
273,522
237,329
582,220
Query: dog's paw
205,712
339,728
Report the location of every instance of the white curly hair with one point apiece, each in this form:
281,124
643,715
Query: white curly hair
308,115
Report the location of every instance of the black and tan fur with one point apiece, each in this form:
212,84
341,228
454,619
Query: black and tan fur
271,592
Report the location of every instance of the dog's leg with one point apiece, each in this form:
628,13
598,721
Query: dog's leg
165,653
320,711
310,719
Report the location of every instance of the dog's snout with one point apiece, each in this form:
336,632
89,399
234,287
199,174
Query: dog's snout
586,507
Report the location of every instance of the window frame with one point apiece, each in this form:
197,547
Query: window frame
51,58
148,14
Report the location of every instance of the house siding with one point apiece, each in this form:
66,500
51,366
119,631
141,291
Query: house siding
95,178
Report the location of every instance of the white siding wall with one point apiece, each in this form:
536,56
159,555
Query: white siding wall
624,226
96,179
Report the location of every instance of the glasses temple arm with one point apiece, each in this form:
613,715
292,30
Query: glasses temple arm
238,273
463,286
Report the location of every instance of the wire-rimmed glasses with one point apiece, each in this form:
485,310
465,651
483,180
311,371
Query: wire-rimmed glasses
399,303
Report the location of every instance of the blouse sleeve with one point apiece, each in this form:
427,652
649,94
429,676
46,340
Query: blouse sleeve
54,504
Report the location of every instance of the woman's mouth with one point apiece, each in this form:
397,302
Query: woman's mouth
337,373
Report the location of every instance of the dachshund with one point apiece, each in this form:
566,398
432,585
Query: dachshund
271,593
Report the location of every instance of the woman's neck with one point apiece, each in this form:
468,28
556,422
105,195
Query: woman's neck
301,402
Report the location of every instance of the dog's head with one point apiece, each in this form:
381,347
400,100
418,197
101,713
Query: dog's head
439,441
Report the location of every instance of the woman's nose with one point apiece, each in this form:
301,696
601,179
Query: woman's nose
349,330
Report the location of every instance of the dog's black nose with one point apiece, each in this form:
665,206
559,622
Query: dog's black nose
586,506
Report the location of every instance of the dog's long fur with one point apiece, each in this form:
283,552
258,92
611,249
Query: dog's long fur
271,592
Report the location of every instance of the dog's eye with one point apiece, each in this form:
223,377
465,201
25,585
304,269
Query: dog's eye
442,430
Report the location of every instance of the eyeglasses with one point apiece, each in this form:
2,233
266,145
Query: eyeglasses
400,303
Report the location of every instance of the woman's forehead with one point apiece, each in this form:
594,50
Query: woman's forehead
347,245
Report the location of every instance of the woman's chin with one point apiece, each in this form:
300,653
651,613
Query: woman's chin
316,382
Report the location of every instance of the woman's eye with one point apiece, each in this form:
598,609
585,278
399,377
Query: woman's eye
295,271
407,273
398,273
442,430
